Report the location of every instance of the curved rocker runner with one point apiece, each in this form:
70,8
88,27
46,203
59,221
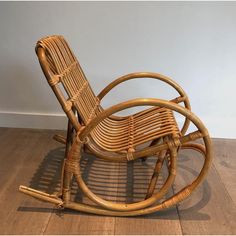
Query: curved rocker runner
115,138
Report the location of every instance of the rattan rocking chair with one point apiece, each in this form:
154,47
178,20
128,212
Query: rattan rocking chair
116,138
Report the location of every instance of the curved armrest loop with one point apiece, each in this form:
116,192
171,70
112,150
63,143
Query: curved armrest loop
141,75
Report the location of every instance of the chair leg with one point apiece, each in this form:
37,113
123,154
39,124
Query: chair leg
155,175
69,140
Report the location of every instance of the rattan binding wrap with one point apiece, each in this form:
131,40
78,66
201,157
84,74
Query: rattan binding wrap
115,138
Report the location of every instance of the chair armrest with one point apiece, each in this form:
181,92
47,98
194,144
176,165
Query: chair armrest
142,75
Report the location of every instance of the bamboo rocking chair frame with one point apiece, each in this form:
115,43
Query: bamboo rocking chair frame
114,138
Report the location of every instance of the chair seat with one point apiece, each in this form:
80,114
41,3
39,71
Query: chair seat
123,134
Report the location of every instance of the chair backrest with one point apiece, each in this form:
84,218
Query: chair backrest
61,67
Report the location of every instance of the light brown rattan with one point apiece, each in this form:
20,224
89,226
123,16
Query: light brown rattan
117,138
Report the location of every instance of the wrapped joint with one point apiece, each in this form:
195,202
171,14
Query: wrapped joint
177,142
178,99
130,156
94,111
177,198
79,92
54,80
71,165
173,143
68,69
183,194
131,149
67,106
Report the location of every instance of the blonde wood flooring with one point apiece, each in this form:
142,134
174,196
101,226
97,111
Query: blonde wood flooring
32,158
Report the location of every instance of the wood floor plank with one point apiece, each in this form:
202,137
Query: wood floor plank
71,222
26,151
225,163
156,224
209,210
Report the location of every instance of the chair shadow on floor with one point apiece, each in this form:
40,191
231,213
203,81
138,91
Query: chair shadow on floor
117,182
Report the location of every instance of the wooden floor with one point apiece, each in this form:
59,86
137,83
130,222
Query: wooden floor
32,158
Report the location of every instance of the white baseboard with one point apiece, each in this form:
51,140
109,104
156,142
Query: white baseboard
33,120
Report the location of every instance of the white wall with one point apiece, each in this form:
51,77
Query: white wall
192,42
